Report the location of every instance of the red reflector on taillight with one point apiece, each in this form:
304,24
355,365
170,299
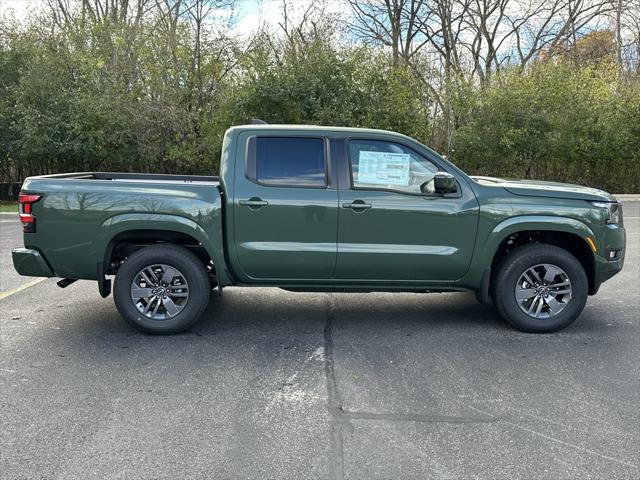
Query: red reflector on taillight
26,215
28,198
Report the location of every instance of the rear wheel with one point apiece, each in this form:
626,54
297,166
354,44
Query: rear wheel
540,288
161,289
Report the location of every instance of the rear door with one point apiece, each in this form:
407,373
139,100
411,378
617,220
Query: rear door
388,229
285,208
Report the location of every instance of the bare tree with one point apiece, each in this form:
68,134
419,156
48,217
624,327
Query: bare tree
206,19
489,31
121,11
199,13
625,24
545,24
307,24
396,24
170,12
296,32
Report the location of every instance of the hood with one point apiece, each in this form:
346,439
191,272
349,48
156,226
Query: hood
538,188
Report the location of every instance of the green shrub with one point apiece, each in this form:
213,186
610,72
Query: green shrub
556,122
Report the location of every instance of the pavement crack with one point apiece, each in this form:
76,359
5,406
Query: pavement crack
334,405
341,418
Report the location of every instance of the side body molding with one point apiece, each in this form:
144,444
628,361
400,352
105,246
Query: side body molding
487,247
211,241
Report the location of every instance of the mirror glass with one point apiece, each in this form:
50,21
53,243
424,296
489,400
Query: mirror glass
444,182
428,187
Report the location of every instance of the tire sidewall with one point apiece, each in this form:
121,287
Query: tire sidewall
515,265
176,257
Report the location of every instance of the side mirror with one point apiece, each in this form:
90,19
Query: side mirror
444,183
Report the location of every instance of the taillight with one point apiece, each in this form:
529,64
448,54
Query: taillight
25,205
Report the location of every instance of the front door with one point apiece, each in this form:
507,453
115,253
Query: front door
389,230
285,210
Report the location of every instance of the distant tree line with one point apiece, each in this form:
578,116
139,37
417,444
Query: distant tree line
546,89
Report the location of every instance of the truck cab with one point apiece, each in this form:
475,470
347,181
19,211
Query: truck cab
344,207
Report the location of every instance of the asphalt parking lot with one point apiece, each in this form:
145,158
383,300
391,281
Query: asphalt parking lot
272,384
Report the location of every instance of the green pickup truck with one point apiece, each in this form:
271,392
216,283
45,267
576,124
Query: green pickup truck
309,208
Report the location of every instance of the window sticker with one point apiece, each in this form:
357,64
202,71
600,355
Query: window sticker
382,168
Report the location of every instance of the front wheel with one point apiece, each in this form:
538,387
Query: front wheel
161,289
540,288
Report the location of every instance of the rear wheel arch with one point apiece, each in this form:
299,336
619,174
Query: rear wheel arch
148,229
127,242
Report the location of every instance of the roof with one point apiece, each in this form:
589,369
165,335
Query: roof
314,128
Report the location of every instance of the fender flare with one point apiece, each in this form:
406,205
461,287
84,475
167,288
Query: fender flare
533,222
118,224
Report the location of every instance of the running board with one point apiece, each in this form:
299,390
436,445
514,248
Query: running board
372,290
65,282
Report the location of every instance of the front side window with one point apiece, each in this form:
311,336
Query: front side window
282,161
377,164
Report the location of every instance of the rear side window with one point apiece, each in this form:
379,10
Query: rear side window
287,161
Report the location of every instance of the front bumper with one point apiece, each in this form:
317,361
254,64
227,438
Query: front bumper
614,239
30,263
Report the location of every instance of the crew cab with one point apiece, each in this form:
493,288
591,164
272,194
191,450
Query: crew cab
309,208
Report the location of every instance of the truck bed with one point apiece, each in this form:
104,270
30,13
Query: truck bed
79,214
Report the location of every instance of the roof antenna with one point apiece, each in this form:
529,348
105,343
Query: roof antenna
257,121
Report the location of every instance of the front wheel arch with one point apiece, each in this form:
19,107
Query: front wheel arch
571,242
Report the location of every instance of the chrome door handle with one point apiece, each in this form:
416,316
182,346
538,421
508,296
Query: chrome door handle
254,203
357,205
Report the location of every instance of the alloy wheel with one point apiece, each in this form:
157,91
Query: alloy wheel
543,291
159,291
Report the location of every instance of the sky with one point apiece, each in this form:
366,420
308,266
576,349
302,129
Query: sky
250,14
20,7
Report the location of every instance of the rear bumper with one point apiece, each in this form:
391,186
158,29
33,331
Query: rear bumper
30,263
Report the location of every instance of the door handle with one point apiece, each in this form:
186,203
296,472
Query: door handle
254,203
357,205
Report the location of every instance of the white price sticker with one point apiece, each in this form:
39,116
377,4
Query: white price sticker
381,168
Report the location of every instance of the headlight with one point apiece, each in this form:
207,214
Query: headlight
613,210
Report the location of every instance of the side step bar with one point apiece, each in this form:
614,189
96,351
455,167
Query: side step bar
65,282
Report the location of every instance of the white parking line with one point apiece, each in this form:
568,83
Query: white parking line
33,282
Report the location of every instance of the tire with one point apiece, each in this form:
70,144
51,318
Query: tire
547,261
179,277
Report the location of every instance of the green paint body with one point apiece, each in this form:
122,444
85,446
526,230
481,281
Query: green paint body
304,237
